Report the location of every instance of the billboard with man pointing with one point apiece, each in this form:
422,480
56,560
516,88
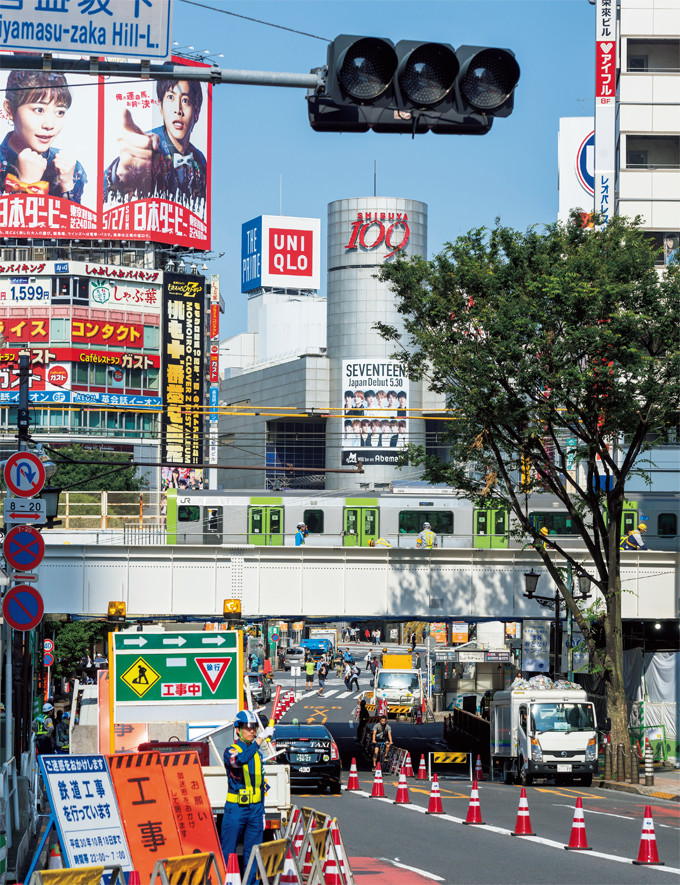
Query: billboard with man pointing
85,158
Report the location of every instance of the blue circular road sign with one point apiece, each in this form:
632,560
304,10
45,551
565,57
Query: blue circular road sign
24,548
23,607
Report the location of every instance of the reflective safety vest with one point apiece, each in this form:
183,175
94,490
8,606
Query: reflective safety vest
40,728
381,542
427,538
251,792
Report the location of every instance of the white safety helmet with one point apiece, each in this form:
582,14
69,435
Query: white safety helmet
245,717
426,525
301,525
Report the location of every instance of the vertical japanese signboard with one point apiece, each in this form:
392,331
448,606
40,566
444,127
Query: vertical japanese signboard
214,368
183,370
85,810
605,107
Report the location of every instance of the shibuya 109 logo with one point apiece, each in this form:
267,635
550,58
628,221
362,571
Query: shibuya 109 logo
373,229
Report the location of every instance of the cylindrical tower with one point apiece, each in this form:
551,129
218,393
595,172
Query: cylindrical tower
376,399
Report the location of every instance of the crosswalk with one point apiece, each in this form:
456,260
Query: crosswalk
332,691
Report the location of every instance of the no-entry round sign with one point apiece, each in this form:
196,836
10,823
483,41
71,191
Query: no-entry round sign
23,607
24,548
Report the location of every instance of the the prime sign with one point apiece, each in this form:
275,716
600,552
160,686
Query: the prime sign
175,676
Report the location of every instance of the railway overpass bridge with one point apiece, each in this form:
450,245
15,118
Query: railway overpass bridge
326,582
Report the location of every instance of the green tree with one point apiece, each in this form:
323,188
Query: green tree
74,473
72,641
559,356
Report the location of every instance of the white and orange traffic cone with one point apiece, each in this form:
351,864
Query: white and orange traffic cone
54,861
474,815
435,803
331,870
340,851
298,833
402,790
523,823
648,853
408,766
422,770
479,772
578,840
233,873
378,789
353,780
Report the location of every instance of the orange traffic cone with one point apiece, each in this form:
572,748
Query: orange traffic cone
233,872
578,840
422,770
135,879
54,861
402,790
408,766
340,851
474,815
298,831
353,780
435,804
523,824
331,870
378,790
479,773
648,853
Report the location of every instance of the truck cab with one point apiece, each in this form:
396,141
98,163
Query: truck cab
401,687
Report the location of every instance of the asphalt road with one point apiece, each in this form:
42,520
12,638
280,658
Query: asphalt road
440,848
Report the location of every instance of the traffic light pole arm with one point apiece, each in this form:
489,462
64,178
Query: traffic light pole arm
140,70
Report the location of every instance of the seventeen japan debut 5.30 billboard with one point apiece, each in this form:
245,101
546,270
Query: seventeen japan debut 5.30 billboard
81,158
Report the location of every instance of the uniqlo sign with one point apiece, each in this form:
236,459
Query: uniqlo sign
281,252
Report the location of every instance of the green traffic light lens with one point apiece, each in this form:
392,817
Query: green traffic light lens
490,79
428,74
367,69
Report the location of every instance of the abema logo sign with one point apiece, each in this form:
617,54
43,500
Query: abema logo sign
291,252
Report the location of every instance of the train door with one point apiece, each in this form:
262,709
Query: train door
490,528
629,517
359,526
212,525
265,526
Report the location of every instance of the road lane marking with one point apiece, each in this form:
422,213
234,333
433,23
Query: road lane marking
549,843
417,870
610,814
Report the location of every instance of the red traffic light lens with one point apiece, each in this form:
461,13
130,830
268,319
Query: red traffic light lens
490,78
367,69
428,74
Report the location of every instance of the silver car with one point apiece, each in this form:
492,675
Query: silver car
294,656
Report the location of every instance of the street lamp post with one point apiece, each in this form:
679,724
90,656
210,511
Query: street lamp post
531,580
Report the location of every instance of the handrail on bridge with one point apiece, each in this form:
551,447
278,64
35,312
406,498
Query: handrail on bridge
11,796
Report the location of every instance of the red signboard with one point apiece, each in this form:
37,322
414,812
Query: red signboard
104,332
291,252
214,320
46,356
214,364
23,328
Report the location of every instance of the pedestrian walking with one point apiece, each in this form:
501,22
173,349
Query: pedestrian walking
322,675
309,673
413,641
244,807
367,634
354,677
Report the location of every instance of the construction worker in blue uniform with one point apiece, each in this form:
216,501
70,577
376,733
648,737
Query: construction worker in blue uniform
427,537
244,809
633,540
301,534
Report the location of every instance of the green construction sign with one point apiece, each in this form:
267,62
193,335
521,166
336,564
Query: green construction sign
176,676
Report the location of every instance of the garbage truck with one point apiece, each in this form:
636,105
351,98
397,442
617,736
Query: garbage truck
543,733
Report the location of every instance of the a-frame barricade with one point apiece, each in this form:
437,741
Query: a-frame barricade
272,860
190,869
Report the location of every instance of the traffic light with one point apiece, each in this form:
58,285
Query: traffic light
412,87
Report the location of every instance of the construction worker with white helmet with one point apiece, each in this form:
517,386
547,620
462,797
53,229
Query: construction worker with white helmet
301,534
633,540
427,537
244,809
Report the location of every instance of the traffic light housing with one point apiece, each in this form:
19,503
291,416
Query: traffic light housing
413,87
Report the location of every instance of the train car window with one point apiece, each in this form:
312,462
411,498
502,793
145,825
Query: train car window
212,519
556,523
188,513
274,521
313,519
667,525
411,521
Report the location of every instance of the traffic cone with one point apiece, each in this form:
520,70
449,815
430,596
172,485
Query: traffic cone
135,879
408,766
402,789
474,815
378,790
331,870
578,840
353,781
54,861
340,851
648,853
422,770
479,773
435,804
233,872
523,824
298,831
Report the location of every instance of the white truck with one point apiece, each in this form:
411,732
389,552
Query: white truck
398,684
543,733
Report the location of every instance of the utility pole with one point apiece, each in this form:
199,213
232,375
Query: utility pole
23,417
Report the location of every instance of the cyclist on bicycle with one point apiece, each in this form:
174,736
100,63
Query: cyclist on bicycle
382,738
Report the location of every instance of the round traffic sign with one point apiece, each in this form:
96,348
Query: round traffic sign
24,474
24,547
48,659
23,607
275,637
48,645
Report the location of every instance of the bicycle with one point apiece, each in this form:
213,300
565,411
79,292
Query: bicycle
382,753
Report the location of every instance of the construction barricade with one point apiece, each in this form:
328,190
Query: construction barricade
78,876
276,862
190,869
449,758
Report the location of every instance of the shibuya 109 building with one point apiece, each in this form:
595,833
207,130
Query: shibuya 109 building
314,368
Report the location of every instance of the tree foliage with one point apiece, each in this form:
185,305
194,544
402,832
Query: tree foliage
72,641
559,356
73,473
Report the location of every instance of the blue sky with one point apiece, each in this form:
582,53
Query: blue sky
261,134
